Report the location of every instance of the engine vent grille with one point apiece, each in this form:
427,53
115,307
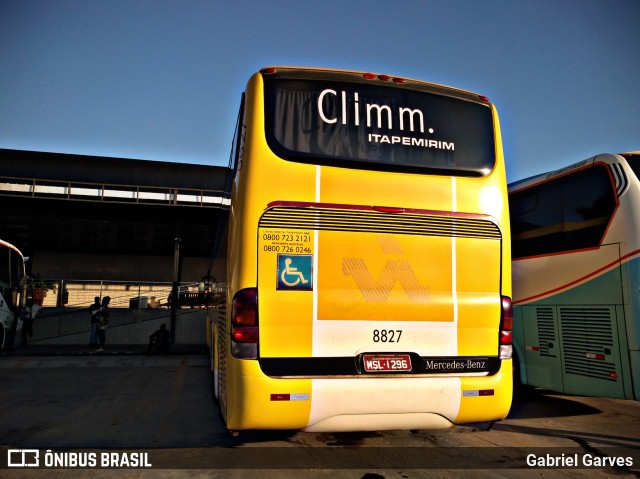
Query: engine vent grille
371,221
546,331
587,332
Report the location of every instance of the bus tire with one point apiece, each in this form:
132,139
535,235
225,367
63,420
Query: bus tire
213,375
214,398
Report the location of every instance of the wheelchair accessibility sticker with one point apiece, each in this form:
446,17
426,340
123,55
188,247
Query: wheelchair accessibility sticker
295,272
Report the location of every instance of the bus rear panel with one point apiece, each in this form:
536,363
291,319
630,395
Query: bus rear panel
368,270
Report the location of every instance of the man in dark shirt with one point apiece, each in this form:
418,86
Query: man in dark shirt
94,309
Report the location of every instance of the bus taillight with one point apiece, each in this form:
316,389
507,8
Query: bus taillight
244,324
506,329
385,78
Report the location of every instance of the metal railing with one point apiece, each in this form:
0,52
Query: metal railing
126,294
104,192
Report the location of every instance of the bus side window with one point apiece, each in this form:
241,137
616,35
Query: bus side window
5,273
564,214
238,141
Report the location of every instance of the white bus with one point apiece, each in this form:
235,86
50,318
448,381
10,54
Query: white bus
576,277
12,288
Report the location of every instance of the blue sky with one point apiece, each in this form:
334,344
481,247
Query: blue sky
161,80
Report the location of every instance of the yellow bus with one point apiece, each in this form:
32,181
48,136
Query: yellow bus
369,278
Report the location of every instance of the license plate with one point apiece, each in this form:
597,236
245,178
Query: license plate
380,363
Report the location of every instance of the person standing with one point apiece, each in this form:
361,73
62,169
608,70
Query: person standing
94,310
103,322
30,312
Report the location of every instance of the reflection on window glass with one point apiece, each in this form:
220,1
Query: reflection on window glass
5,263
564,214
377,127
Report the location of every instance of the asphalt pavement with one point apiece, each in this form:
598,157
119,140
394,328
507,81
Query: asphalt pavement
72,400
54,350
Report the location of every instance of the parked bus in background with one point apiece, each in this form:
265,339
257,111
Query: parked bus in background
363,209
576,277
12,289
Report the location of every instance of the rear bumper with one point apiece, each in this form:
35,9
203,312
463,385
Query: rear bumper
255,401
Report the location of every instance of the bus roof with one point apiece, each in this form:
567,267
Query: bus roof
10,246
532,180
365,77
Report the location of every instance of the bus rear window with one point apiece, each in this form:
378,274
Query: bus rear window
360,125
